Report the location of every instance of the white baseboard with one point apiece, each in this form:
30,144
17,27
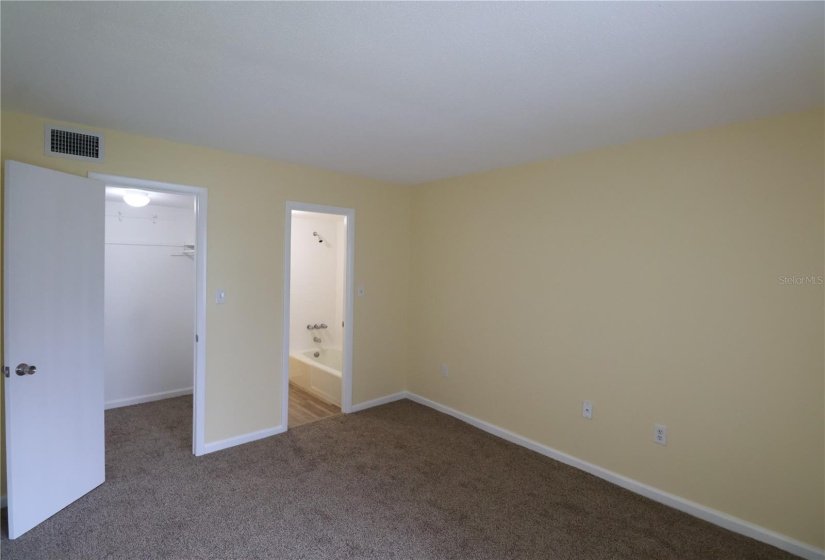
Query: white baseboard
117,403
379,401
245,438
697,510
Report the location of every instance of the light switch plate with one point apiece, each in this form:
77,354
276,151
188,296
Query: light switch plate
220,296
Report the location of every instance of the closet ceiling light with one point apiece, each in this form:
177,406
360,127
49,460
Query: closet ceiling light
136,198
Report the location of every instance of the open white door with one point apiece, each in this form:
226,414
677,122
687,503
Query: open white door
53,334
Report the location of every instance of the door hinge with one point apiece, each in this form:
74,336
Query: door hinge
196,338
6,371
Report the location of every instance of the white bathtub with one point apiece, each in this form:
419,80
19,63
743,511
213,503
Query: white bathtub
320,376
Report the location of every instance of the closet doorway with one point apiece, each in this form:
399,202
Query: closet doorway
154,304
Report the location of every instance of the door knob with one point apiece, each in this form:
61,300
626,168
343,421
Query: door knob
23,369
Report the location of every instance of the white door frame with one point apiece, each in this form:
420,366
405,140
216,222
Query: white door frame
346,370
200,194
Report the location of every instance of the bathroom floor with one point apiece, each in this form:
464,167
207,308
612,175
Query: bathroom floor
305,408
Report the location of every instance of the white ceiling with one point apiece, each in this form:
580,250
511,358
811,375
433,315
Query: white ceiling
410,92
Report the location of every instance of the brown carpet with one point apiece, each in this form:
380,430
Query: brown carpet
397,481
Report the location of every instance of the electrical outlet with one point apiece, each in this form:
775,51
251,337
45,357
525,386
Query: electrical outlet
660,434
445,370
587,409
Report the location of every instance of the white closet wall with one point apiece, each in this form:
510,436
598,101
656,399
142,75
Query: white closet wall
149,303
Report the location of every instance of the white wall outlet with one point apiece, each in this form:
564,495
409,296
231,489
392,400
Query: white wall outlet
445,370
587,409
660,434
220,296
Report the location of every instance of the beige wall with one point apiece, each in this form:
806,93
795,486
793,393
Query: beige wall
645,278
247,200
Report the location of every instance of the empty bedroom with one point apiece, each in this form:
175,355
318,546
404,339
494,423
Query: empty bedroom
413,280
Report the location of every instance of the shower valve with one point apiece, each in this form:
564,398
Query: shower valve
323,326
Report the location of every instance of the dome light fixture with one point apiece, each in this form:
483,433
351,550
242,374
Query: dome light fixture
136,198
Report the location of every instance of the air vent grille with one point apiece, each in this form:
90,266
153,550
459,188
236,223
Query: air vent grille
74,144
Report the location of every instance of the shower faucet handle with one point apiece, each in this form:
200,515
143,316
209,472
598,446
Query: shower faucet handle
323,326
310,327
316,326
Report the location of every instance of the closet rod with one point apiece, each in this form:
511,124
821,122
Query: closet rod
188,251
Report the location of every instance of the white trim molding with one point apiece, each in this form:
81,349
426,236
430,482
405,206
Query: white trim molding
117,403
199,343
253,436
692,508
238,440
379,401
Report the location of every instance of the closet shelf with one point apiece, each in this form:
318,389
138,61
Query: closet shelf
154,218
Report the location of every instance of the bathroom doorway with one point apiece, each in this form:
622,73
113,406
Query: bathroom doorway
317,365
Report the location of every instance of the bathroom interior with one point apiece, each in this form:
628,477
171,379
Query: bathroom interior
317,299
149,296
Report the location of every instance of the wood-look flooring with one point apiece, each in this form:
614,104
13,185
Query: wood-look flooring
305,407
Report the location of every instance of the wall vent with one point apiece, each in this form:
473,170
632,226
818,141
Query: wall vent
73,143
